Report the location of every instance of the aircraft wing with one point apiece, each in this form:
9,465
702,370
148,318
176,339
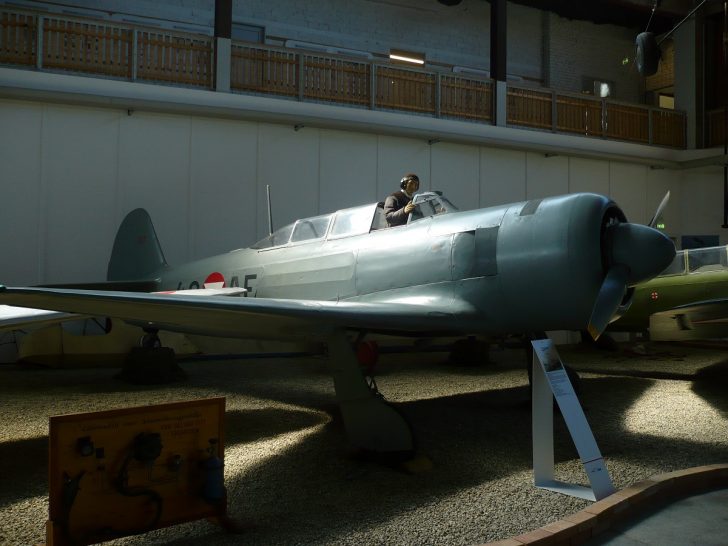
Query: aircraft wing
242,317
700,320
24,318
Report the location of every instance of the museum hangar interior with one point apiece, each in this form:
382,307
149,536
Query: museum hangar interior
227,120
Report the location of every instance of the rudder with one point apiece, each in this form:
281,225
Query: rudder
137,254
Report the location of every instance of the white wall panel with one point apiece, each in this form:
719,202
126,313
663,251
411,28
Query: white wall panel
288,160
659,182
348,170
546,176
21,255
79,160
154,173
399,156
223,166
456,172
627,186
588,175
69,174
701,203
502,176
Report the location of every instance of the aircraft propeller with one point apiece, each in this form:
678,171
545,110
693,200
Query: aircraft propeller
633,253
660,209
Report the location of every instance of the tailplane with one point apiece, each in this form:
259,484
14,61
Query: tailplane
137,254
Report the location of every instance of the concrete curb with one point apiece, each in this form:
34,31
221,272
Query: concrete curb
626,503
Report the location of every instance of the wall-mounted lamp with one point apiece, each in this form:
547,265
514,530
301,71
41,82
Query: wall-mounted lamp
298,127
433,141
410,57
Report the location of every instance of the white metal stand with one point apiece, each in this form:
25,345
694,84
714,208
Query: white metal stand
551,380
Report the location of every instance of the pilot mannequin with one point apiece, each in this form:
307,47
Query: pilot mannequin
398,205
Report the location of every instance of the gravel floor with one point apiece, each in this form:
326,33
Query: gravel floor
290,473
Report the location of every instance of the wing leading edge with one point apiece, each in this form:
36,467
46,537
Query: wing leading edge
700,320
251,317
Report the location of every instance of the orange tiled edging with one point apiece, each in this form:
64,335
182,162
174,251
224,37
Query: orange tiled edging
628,502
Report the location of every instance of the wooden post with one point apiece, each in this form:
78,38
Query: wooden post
300,75
372,86
134,55
39,42
650,128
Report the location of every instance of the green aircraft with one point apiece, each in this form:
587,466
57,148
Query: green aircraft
689,300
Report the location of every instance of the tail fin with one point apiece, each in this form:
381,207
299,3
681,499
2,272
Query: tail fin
137,254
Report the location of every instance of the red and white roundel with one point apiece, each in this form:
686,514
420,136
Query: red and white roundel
214,280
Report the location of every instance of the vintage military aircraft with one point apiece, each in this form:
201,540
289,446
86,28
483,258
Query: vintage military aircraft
687,301
559,263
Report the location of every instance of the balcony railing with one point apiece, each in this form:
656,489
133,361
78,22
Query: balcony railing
135,53
307,76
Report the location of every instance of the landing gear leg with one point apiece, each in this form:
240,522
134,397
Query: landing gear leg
150,340
150,363
371,423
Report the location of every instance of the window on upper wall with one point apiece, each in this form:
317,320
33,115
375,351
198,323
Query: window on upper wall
666,101
248,33
597,87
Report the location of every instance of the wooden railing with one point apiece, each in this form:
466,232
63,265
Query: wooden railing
668,127
264,70
466,98
716,128
569,113
530,108
85,47
123,51
328,78
166,57
17,38
401,89
103,48
335,80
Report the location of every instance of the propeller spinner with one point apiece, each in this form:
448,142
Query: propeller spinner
633,253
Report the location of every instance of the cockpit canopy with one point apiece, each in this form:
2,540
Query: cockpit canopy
353,221
430,203
698,260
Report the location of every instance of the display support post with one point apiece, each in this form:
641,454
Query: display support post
550,380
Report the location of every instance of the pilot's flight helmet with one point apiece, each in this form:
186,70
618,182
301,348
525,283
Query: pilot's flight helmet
406,178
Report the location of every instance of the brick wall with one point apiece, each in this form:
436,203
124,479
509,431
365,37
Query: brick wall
581,49
458,36
542,47
665,75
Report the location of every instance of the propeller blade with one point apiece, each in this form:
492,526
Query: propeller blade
660,209
610,296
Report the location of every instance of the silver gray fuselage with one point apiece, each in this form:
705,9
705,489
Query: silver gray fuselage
515,268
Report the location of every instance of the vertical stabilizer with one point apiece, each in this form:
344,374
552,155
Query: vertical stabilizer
137,254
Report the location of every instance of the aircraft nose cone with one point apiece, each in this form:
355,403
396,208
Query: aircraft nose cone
645,251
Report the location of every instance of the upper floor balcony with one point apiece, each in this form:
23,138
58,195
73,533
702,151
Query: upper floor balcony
106,49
